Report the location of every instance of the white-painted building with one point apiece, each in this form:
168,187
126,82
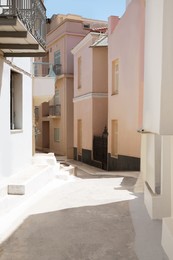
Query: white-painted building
22,37
15,114
157,137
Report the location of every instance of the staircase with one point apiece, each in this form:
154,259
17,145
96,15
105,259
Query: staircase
18,192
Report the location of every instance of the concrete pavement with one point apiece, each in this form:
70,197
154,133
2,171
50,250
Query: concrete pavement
90,218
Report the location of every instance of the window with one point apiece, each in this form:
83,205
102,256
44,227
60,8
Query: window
56,97
57,106
114,138
36,110
79,72
86,26
15,100
36,70
57,62
57,57
115,76
57,134
79,137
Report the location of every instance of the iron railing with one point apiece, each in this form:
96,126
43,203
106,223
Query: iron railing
43,69
32,13
55,110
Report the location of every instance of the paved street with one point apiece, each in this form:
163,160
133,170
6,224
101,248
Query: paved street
89,218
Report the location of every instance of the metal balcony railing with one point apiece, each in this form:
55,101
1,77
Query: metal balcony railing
55,110
32,14
46,69
43,69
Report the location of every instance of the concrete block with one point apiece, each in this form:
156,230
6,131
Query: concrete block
14,189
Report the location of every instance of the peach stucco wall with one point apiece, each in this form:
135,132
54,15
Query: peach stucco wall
70,42
90,101
63,38
100,115
93,113
83,111
100,69
86,70
126,44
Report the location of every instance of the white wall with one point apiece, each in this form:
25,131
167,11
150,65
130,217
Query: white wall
158,67
15,146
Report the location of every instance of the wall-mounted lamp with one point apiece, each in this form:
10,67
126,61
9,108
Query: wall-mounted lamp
142,131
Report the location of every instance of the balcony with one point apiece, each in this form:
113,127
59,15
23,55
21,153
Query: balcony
43,82
22,28
55,111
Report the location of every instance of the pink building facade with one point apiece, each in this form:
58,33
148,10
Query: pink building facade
90,95
55,119
125,92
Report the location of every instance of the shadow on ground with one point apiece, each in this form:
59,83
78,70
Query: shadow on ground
88,233
84,175
113,231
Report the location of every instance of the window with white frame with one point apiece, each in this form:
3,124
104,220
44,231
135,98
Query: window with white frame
114,138
16,100
115,76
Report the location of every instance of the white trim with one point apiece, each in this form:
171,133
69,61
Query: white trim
16,131
90,95
85,40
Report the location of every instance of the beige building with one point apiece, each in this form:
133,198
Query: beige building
90,95
55,118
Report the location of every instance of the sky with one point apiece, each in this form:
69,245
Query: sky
94,9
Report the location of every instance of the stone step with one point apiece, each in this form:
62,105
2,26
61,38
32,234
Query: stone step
30,180
20,191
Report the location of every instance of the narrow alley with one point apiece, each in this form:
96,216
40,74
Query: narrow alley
90,217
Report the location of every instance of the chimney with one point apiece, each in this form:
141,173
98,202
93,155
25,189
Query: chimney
112,23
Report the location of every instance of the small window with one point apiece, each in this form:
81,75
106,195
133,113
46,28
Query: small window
57,134
36,70
114,138
79,137
86,26
57,57
79,72
115,77
56,97
36,110
16,100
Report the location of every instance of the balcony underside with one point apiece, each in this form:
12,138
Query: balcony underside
16,40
